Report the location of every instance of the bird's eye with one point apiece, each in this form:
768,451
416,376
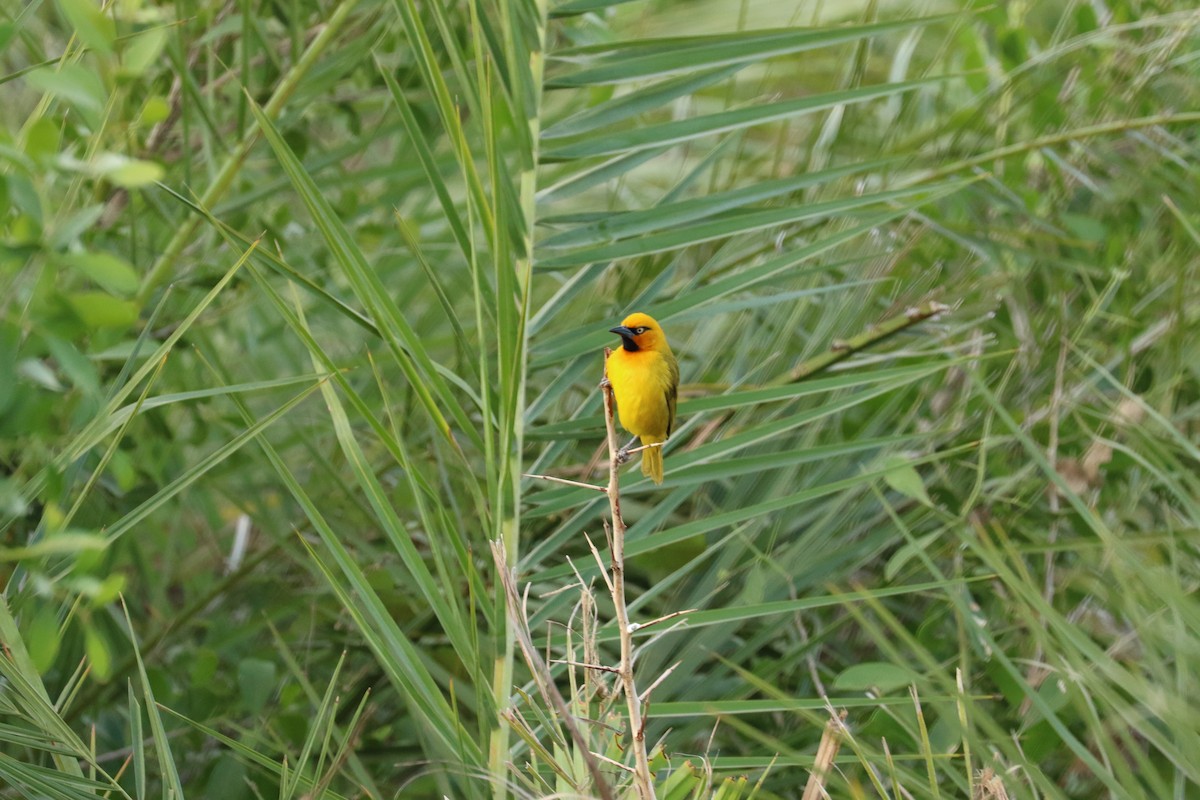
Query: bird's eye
639,330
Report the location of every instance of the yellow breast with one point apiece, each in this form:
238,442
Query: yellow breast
641,383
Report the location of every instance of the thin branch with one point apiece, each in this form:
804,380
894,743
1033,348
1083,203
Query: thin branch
646,694
600,563
566,481
617,764
637,727
841,349
644,447
597,667
642,626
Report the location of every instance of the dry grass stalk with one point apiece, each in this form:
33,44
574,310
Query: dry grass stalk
989,786
827,750
543,678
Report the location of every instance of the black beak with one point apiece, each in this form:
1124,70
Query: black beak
622,331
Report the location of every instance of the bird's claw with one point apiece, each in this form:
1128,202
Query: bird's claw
605,383
623,455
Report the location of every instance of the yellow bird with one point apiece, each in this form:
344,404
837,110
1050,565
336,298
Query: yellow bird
645,381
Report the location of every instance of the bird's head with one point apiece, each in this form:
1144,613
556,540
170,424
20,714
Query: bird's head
640,332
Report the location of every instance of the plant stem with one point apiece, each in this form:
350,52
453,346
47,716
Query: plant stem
842,350
637,728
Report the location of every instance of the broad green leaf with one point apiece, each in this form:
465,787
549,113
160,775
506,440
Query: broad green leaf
143,51
754,397
98,653
101,310
43,140
904,479
256,683
73,84
128,173
91,23
42,638
109,590
876,676
109,271
39,374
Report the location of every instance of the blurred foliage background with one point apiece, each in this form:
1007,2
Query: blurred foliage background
293,293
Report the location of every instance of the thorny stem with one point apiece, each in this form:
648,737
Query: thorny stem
637,726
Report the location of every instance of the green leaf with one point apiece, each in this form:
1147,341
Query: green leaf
129,173
409,352
98,653
875,676
43,139
572,7
256,683
154,111
1089,229
202,666
902,477
729,224
143,51
168,772
90,22
643,58
684,130
693,708
109,590
906,553
73,84
106,269
649,98
37,372
42,639
717,616
101,310
623,225
229,778
64,543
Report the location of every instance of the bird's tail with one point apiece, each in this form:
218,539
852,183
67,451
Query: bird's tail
652,460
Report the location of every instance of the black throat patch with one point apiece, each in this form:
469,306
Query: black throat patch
629,344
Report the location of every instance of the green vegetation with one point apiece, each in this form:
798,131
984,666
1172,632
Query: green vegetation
293,294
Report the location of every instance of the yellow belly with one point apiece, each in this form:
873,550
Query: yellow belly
640,382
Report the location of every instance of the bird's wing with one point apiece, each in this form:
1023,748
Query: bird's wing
672,392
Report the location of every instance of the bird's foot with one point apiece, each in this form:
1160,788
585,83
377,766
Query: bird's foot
605,383
623,455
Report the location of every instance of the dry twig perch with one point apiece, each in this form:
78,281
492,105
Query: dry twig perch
637,727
